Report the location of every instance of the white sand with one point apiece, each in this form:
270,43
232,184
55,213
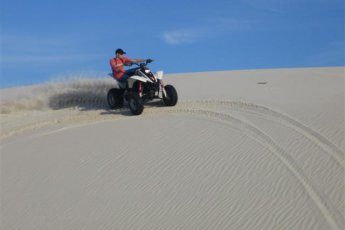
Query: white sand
260,149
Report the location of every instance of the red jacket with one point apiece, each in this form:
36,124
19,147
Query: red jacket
118,71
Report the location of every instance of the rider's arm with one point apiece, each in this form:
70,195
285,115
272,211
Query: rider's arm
115,65
137,60
132,60
127,61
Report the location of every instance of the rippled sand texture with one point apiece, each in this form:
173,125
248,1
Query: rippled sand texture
260,149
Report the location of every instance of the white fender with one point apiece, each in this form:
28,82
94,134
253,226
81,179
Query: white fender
135,78
159,74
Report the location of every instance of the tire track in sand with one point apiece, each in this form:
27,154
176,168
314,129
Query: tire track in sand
284,119
329,212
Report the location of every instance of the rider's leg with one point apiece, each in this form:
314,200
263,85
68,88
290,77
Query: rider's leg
131,72
127,74
124,78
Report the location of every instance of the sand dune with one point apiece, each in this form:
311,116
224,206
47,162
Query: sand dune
259,149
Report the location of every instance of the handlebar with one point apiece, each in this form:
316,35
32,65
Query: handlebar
149,60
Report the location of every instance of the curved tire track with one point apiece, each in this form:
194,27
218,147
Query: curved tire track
330,213
310,134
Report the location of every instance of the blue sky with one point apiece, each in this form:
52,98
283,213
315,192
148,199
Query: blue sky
45,40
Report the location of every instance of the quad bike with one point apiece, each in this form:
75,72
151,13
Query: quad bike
141,87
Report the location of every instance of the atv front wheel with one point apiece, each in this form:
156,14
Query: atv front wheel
135,103
170,98
115,98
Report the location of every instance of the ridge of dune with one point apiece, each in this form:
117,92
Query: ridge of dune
254,149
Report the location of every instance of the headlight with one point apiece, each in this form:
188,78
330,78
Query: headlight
147,71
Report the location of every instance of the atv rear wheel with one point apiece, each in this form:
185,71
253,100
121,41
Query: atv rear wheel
135,103
115,98
170,99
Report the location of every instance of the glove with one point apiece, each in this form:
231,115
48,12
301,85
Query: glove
149,60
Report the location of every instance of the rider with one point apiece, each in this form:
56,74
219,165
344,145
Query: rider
117,65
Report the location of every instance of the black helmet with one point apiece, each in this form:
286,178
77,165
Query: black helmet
120,51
